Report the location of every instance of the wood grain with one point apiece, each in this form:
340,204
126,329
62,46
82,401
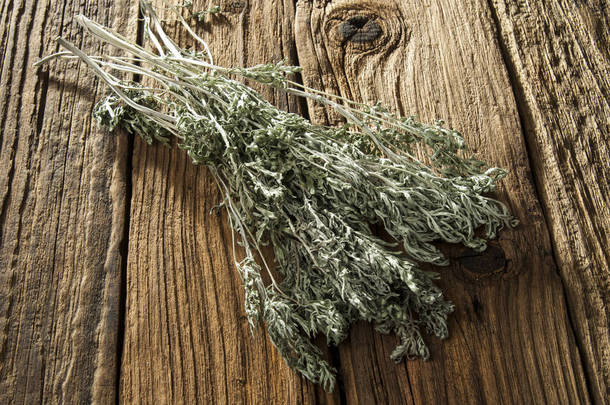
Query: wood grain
511,340
186,334
514,77
558,54
62,212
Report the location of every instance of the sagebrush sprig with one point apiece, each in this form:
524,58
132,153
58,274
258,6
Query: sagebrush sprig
310,191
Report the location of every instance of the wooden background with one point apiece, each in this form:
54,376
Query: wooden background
116,283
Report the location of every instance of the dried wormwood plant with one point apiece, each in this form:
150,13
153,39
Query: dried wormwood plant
310,191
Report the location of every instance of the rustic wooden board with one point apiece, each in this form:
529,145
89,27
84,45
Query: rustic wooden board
62,212
558,54
500,72
186,335
511,340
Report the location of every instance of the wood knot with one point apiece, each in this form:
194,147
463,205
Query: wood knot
360,29
363,28
486,262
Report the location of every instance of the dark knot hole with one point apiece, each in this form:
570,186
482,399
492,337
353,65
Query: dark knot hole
490,260
360,28
358,22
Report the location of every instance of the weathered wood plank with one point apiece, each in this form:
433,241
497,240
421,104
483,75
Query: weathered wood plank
558,54
186,337
511,340
62,212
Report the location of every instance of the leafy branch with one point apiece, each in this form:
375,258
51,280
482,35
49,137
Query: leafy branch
310,191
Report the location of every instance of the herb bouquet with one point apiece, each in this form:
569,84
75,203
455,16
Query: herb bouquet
310,191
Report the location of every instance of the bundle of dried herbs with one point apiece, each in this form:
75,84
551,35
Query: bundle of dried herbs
310,191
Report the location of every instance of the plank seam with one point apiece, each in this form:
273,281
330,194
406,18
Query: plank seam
124,248
335,359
